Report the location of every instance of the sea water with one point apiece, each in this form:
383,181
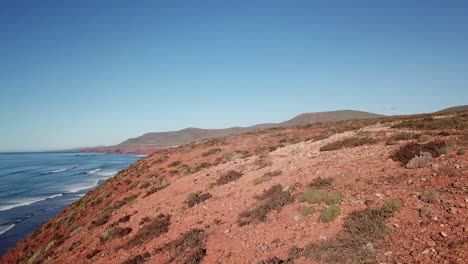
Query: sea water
34,187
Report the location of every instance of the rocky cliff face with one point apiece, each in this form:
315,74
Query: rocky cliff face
324,193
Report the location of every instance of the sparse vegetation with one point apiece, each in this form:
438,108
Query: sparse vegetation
196,198
429,196
199,166
175,163
461,152
272,199
93,253
349,143
330,213
161,184
419,161
150,230
430,123
230,176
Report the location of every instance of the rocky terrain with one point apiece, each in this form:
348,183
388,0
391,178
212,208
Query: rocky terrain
382,190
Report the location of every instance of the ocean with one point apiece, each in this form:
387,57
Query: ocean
35,187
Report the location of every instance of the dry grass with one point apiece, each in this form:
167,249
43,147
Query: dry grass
138,259
349,143
430,123
403,136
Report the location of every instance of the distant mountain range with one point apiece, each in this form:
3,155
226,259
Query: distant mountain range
150,142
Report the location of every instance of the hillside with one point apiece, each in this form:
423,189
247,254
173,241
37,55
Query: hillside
385,190
147,143
459,108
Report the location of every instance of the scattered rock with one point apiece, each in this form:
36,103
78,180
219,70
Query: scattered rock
423,160
456,184
431,243
443,234
369,247
226,231
388,253
425,251
298,217
369,202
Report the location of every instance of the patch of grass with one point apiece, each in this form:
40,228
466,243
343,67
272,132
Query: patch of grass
114,232
187,248
403,136
138,259
315,196
321,183
424,138
211,152
429,196
230,176
407,152
307,211
150,230
349,143
393,205
330,213
272,199
196,198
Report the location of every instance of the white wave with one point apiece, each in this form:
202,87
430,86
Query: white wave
106,173
80,187
93,171
6,228
141,156
56,171
26,201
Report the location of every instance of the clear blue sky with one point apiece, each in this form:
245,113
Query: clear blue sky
85,73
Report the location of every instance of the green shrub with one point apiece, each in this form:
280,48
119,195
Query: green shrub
261,180
196,198
424,138
314,196
461,152
330,213
392,205
334,197
349,143
429,196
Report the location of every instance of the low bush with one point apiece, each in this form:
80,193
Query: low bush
138,259
461,152
424,138
407,152
314,196
93,253
114,232
330,213
211,152
157,187
403,136
348,143
320,182
307,211
175,163
230,176
393,205
459,123
150,230
420,161
196,198
187,248
272,199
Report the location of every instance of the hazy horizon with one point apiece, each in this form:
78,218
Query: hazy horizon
87,73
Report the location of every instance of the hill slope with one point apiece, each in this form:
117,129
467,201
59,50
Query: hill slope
459,108
326,193
150,141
